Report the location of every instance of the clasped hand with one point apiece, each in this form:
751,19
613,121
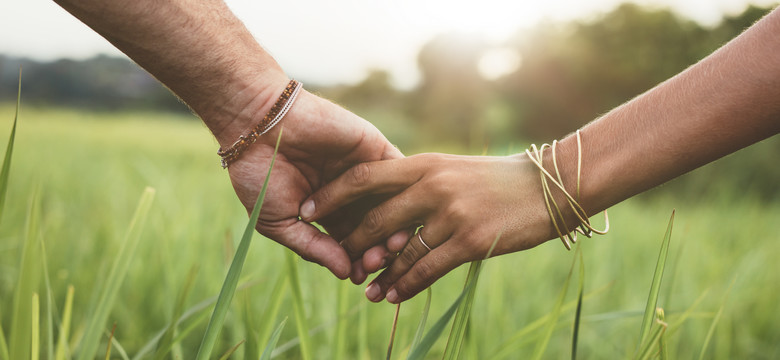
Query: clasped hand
338,170
463,203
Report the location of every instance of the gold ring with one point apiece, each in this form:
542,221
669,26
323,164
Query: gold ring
419,236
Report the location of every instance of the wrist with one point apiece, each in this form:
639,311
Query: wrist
239,112
561,167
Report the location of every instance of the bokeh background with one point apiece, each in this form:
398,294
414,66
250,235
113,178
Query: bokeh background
448,76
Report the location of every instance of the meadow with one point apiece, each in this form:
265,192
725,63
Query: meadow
82,174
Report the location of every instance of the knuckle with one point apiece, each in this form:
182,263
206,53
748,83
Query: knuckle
373,222
457,213
404,288
409,255
323,196
360,174
423,271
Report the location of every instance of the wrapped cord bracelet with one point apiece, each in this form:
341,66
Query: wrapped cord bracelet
584,227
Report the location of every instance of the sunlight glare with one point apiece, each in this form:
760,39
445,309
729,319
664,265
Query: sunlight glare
498,62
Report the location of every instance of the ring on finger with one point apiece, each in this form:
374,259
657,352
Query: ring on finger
419,236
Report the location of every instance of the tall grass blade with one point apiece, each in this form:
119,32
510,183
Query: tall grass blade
646,350
340,341
578,311
436,330
269,348
300,314
663,348
35,343
275,303
252,343
455,340
48,340
166,343
652,298
423,318
115,345
184,332
687,313
193,310
509,347
392,332
124,257
541,346
9,150
226,355
3,344
26,285
362,336
110,340
715,321
231,280
62,340
430,338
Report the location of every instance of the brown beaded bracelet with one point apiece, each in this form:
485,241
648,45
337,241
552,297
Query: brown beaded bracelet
273,117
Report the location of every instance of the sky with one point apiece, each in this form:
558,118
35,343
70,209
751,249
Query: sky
338,41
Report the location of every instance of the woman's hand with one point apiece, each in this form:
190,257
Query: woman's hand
463,203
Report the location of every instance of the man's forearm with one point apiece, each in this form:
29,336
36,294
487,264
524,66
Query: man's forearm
729,100
199,49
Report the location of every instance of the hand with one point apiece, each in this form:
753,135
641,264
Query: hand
320,141
463,202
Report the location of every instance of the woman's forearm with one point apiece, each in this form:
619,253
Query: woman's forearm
199,49
727,101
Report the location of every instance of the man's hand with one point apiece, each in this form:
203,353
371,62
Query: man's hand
205,55
320,141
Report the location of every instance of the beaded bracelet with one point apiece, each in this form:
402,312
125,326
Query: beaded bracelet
273,117
584,226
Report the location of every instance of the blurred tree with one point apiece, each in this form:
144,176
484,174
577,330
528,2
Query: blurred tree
575,72
100,82
572,73
450,100
375,92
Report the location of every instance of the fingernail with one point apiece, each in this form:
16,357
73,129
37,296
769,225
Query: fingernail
373,292
307,209
392,296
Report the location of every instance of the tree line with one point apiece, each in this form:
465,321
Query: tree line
570,73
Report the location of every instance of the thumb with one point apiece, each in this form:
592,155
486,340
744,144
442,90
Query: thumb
315,246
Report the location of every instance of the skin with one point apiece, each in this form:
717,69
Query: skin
727,101
206,56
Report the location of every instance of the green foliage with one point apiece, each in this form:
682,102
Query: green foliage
513,302
458,332
301,321
541,345
26,285
5,171
121,265
655,287
272,341
231,280
418,334
437,329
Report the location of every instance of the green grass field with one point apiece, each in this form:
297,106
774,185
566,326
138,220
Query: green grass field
89,170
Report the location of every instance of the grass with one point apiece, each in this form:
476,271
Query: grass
89,169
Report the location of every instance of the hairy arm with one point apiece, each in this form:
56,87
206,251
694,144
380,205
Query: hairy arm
205,55
198,49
